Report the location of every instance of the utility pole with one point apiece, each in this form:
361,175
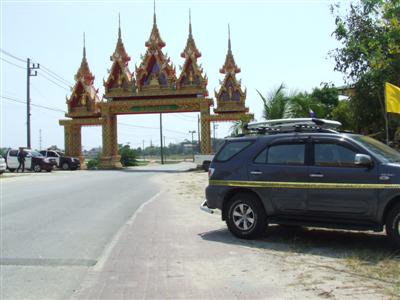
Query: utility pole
143,152
192,132
161,141
40,139
165,154
29,74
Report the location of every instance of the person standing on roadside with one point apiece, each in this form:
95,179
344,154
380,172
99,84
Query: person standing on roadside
21,159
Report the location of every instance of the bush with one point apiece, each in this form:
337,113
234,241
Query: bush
93,164
128,156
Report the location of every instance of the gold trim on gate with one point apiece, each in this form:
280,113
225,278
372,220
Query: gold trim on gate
302,185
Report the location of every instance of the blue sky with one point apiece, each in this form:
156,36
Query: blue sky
272,42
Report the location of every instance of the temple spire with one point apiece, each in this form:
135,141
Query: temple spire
229,65
154,12
229,38
84,47
190,23
119,26
155,40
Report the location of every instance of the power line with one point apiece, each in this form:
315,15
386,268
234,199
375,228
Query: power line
11,63
36,105
42,75
55,75
13,56
60,110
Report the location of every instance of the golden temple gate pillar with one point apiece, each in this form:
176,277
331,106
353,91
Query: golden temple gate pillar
205,129
73,142
110,159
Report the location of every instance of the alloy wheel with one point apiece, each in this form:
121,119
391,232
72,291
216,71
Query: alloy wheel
243,216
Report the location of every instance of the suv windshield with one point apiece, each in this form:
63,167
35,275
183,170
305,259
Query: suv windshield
382,151
34,153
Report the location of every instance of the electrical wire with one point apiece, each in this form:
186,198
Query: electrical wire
13,56
52,81
11,63
55,75
35,105
60,110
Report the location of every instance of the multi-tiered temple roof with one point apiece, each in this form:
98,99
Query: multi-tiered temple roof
120,78
230,97
191,76
155,73
83,100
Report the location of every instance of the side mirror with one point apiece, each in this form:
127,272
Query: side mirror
363,160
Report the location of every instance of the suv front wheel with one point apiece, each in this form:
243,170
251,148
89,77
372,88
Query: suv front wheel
246,217
393,225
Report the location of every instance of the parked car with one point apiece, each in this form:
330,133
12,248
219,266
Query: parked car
303,172
3,165
62,161
33,161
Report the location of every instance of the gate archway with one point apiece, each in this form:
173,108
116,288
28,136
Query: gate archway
155,88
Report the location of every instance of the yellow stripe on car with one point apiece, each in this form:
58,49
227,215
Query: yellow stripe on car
302,185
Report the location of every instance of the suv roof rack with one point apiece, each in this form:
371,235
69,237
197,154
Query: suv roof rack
294,125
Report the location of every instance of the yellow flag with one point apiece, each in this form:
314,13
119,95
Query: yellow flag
392,94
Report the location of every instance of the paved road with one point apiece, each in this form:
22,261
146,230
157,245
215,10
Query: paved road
55,226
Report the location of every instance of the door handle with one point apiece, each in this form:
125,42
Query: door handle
256,172
317,175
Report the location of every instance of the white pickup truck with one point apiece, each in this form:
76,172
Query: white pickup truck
203,160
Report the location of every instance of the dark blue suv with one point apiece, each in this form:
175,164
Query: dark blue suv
305,174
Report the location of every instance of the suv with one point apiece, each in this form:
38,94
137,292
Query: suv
62,161
302,172
33,161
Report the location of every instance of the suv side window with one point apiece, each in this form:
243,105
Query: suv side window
283,154
43,153
13,152
333,155
51,154
231,149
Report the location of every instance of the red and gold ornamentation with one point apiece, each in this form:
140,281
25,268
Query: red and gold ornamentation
155,72
191,77
83,101
230,97
120,80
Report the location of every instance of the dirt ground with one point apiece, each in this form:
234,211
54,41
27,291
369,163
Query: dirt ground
330,264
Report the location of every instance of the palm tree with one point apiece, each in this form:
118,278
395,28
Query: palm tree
300,105
275,103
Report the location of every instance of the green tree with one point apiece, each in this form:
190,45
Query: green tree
128,156
275,103
369,56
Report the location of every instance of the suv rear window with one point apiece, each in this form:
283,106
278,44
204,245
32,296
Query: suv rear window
230,149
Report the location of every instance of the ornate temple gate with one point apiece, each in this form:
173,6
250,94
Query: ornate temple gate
154,89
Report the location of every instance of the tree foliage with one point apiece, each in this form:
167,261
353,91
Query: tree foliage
280,104
128,156
369,56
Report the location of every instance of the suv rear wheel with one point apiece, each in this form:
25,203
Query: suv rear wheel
393,225
37,168
246,217
65,166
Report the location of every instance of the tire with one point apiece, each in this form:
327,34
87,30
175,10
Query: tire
65,166
206,165
48,170
241,227
393,225
37,168
11,170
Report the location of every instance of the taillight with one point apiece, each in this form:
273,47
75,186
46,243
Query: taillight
210,172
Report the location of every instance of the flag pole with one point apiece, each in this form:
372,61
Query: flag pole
386,117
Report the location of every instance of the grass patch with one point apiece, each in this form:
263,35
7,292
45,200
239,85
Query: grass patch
384,266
